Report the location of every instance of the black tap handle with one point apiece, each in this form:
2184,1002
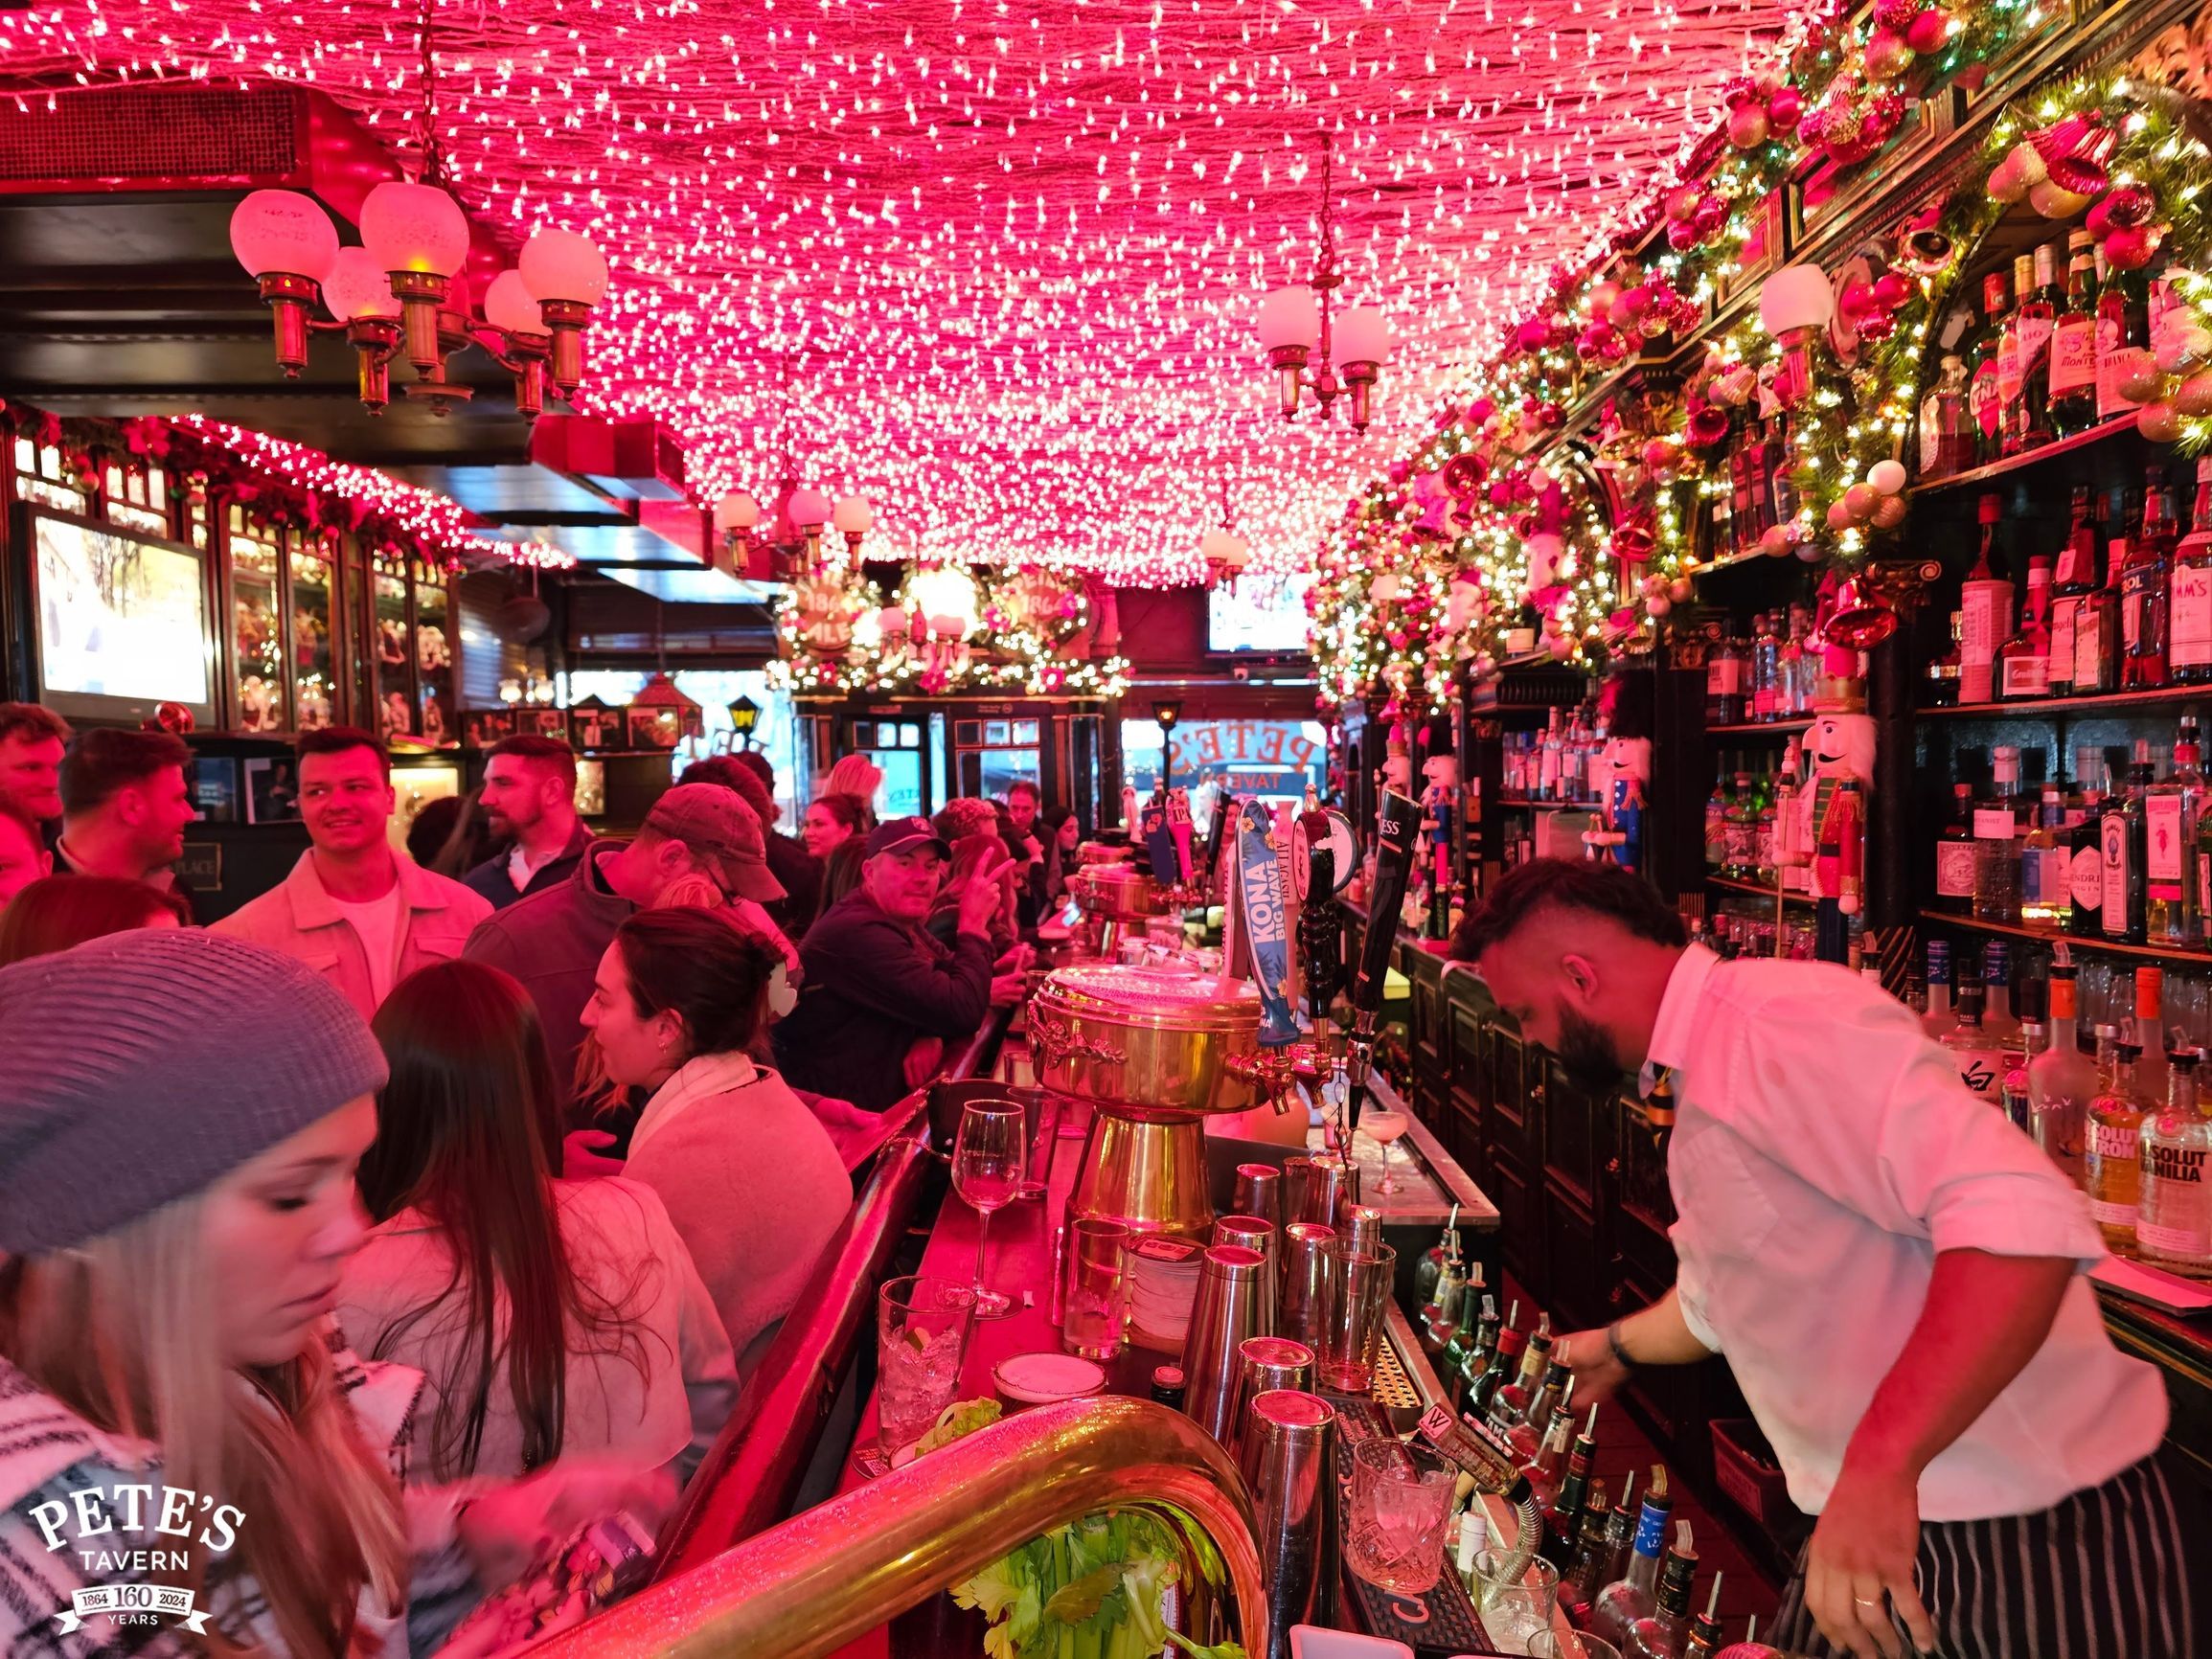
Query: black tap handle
1395,834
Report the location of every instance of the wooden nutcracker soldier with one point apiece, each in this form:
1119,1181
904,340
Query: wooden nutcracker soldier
1618,778
1830,821
1439,811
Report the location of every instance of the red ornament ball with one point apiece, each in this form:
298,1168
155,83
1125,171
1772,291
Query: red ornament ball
1929,31
1786,109
2131,247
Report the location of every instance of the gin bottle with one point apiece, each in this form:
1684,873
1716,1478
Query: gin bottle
1635,1594
2062,1082
1662,1632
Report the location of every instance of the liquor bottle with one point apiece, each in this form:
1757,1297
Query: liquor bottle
1621,1532
1635,1592
1940,1017
1998,1017
1442,1314
1743,831
1745,505
1985,396
2111,1162
2038,315
1543,1408
1513,1400
1704,1639
1946,431
2151,1032
2011,357
2061,1082
1483,1389
1662,1632
2144,590
2174,1223
1546,1465
1986,599
1954,855
1548,763
1942,669
2189,608
2124,850
2073,580
2035,1036
1997,828
1803,661
1582,1576
1776,472
2046,865
2073,381
1476,1356
1976,1054
1717,824
2097,625
1766,669
2172,902
2024,660
1724,685
2123,328
1564,1523
2088,855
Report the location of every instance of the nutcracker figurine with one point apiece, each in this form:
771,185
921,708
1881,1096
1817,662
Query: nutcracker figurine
1617,779
1439,811
1830,815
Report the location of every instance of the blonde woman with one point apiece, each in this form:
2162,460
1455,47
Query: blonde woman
175,1410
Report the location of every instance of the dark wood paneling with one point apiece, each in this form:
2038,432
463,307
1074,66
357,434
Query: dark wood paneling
1518,1240
1571,1135
1576,1257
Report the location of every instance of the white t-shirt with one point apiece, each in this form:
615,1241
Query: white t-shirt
378,924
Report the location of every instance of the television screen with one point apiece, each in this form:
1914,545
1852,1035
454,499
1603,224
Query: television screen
122,622
1265,614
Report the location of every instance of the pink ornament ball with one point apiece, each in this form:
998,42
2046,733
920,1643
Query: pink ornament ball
2131,247
1891,290
1786,109
1658,604
2054,201
1774,541
2194,398
1838,515
1929,31
1859,501
1886,477
1889,512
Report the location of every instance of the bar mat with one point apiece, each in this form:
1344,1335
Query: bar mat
1438,1623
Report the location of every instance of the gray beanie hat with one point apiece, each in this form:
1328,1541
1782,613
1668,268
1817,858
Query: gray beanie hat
138,1068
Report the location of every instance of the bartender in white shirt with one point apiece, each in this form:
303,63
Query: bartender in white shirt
1896,1275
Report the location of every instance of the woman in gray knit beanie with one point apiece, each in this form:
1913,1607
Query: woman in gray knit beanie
179,1415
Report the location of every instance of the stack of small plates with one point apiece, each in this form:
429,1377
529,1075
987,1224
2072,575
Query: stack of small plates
1163,1284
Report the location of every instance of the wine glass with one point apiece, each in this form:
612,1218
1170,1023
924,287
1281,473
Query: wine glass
988,1156
1385,1127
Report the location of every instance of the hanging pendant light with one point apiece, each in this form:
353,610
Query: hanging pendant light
1294,323
286,244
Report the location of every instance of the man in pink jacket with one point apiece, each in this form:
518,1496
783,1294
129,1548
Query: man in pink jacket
359,912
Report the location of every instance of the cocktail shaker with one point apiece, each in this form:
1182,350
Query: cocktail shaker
1254,1234
1268,1363
1259,1193
1349,1329
1297,1189
1288,1468
1226,1312
1331,1185
1306,1246
1361,1225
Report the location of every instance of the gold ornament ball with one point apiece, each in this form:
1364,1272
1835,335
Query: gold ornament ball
1658,606
2138,375
2054,201
2027,164
1859,502
1747,127
1889,512
1838,515
1774,541
1678,590
2159,422
2195,396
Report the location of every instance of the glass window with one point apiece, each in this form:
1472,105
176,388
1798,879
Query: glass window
257,629
314,675
39,477
999,769
967,733
937,775
1025,731
434,655
997,733
910,735
1274,760
392,650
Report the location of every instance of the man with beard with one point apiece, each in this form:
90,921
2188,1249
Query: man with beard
528,797
1896,1275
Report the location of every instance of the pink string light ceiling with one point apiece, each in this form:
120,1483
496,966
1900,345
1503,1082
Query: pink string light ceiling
1007,252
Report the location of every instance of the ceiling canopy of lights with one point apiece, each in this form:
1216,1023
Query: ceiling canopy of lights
1013,250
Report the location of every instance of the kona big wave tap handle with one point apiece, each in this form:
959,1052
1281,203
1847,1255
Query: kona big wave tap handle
1399,825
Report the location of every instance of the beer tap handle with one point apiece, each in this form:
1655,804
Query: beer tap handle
1399,823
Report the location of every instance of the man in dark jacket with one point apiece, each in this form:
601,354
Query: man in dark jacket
877,984
529,796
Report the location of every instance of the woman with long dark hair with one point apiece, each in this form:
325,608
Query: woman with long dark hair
752,1178
550,1318
835,830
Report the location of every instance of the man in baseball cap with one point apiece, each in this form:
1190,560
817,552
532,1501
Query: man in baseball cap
878,992
552,940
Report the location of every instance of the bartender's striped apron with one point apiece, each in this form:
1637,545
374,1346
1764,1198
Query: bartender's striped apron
2116,1571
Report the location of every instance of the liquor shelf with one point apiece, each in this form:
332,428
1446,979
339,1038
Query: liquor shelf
1530,804
2115,427
1761,728
1757,890
2072,940
2107,703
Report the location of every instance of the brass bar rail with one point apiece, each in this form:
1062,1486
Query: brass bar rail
832,1575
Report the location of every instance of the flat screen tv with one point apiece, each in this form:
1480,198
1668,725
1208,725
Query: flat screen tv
120,622
1264,616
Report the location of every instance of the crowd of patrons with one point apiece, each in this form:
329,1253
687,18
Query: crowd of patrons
434,1201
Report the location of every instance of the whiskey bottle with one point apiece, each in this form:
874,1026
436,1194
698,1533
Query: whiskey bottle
2073,381
1942,669
1985,396
2144,590
1777,476
1663,1632
1483,1389
1582,1577
2024,661
1946,431
2125,846
2112,1164
1997,828
1513,1400
2073,580
2011,357
1635,1593
2046,865
1564,1523
2097,624
1986,599
2089,854
2061,1082
2038,316
2174,1222
2171,910
2189,609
